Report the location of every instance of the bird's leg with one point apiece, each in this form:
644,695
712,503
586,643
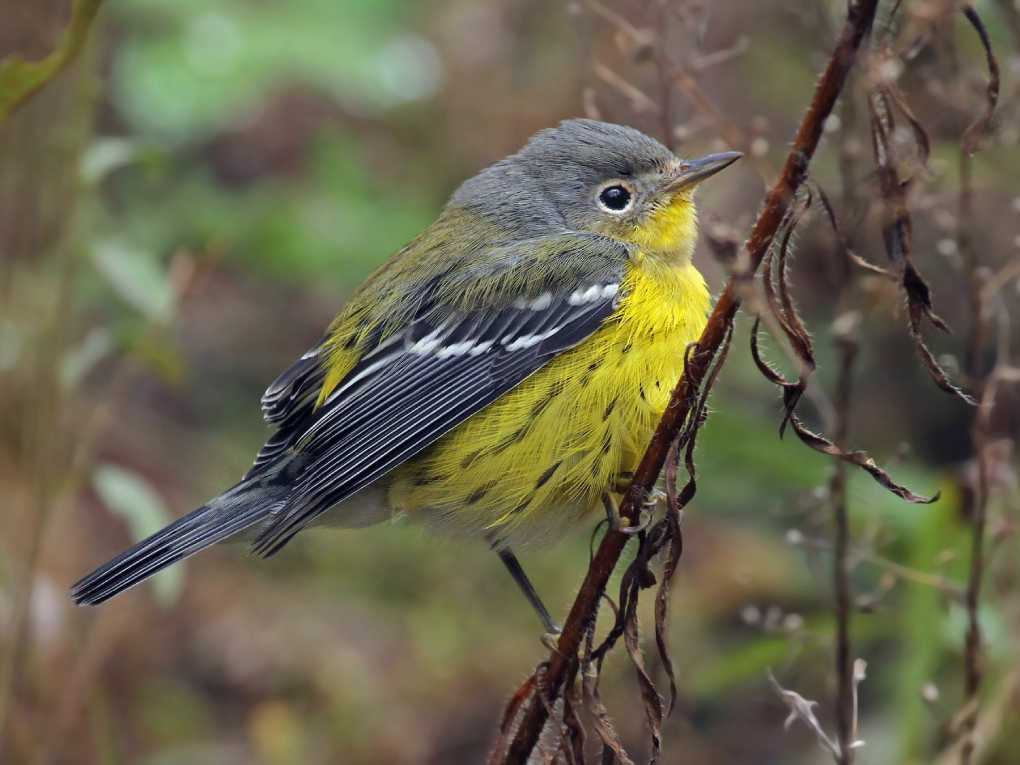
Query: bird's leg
654,500
552,629
648,506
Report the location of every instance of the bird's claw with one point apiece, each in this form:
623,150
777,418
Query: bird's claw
616,520
655,499
644,519
551,639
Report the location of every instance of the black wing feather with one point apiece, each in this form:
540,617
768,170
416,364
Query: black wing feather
301,380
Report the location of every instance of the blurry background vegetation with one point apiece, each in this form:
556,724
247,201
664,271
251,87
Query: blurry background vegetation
182,212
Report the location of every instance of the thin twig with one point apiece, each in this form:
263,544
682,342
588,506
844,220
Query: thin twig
942,584
847,347
951,589
845,338
987,386
973,363
975,578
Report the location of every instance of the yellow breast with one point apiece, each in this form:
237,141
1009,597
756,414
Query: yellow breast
550,447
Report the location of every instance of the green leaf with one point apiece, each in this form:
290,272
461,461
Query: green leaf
107,155
80,360
130,496
21,79
136,277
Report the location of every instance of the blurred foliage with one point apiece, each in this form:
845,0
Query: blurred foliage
289,230
181,214
20,78
220,58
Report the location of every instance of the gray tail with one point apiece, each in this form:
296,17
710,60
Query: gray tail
231,513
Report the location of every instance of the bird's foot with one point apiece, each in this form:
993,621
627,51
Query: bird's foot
655,500
616,521
551,638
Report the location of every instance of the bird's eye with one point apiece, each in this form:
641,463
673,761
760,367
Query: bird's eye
615,198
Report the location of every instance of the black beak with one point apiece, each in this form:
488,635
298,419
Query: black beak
694,171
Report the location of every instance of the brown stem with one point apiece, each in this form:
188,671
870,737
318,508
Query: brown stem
975,344
979,324
846,347
860,16
841,558
975,578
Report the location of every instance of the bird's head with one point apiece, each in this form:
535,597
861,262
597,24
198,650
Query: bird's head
593,176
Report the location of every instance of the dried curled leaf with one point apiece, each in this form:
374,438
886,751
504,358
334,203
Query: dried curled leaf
851,256
654,711
921,137
677,501
664,535
662,599
781,307
558,721
896,233
511,714
861,459
563,732
612,746
918,308
522,694
982,126
573,729
637,577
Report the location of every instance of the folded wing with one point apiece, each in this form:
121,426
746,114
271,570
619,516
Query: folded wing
407,390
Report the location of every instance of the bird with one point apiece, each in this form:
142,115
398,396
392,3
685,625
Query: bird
498,377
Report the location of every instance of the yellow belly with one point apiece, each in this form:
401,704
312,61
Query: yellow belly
545,452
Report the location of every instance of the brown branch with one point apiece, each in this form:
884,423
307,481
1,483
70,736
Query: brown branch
976,573
847,347
987,385
846,342
860,16
978,512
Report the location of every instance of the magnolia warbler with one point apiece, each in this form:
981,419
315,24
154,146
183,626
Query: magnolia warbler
500,375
